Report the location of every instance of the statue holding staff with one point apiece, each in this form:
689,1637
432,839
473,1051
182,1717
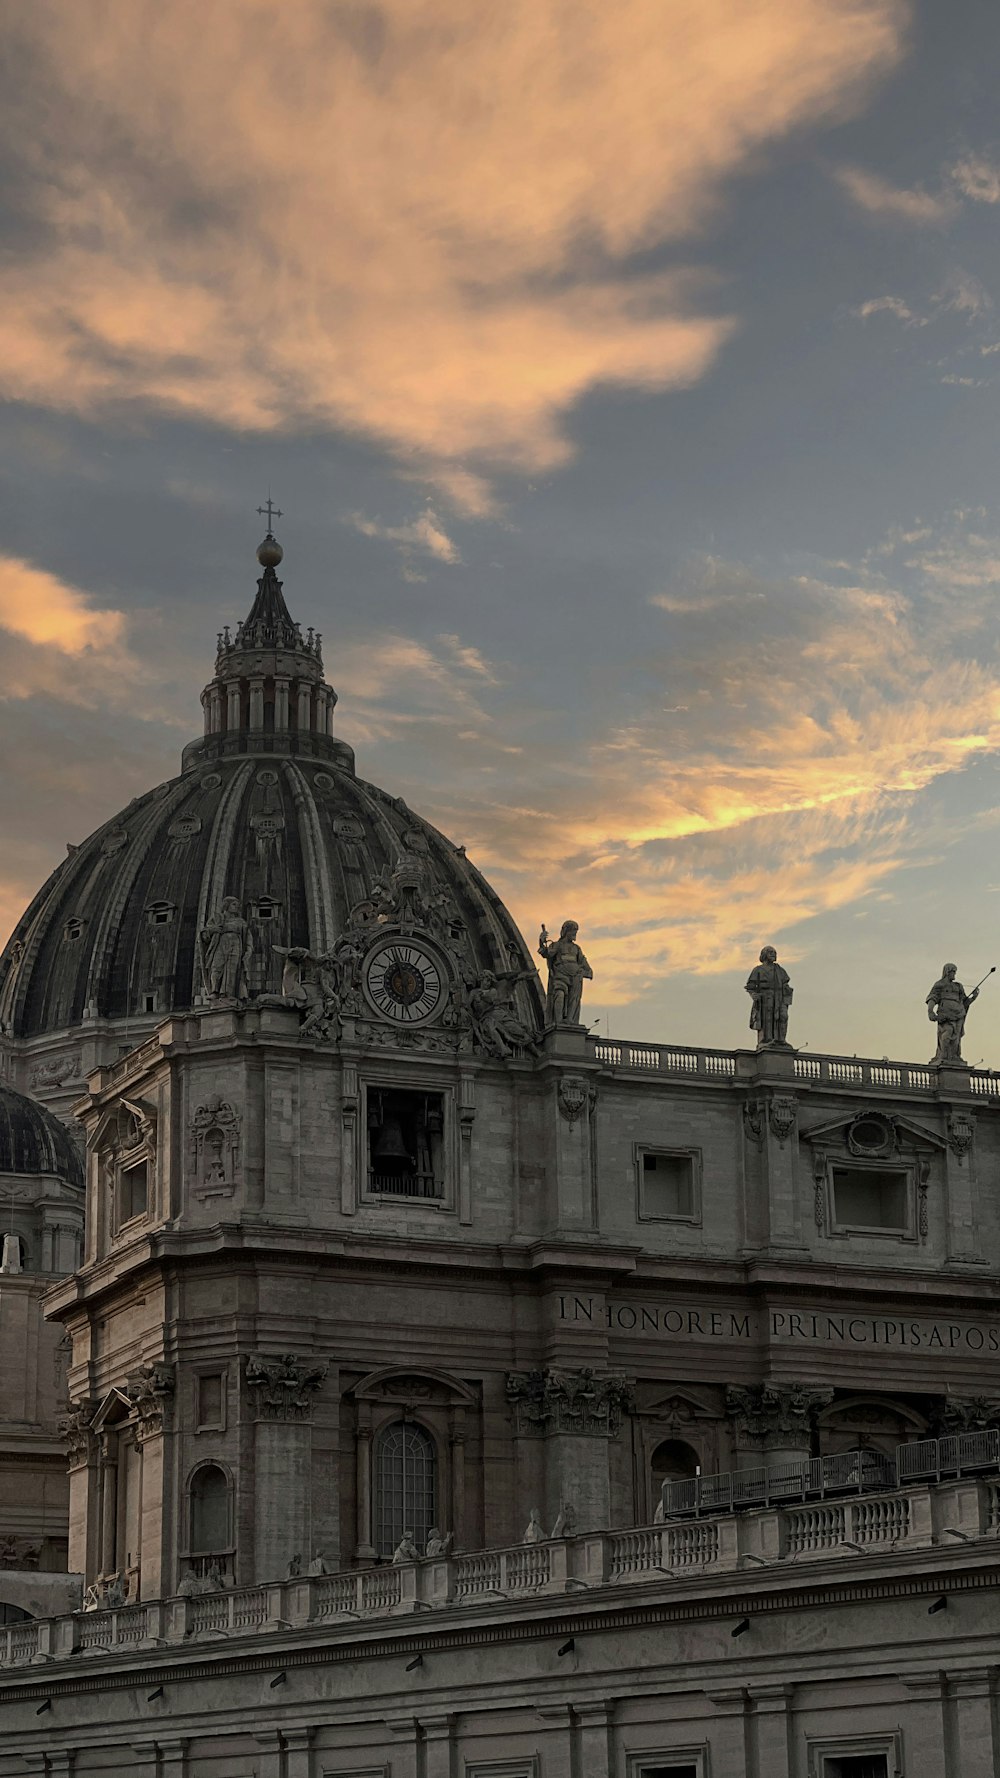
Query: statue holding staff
947,1006
568,970
771,993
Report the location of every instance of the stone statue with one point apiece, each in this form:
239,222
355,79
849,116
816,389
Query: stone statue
225,953
534,1531
495,1020
310,980
319,1564
563,1526
771,993
568,970
116,1591
294,1567
405,1550
947,1005
438,1545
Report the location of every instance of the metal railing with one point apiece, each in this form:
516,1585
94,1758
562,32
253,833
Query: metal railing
737,1490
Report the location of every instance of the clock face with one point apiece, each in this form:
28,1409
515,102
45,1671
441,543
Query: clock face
404,981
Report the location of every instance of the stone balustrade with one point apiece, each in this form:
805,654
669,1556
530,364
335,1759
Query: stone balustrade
807,1070
950,1515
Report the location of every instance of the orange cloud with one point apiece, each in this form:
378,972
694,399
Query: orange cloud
44,610
413,218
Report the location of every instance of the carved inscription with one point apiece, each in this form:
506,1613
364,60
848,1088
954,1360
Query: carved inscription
757,1326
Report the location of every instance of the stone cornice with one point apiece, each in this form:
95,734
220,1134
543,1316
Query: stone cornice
521,1266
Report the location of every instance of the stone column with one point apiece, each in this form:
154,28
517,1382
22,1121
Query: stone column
772,1729
349,1105
458,1526
972,1693
439,1741
926,1750
281,1392
215,709
256,704
365,1549
109,1502
234,712
321,706
595,1748
728,1734
577,1413
305,708
173,1758
404,1732
961,1188
206,710
296,1744
773,1423
280,706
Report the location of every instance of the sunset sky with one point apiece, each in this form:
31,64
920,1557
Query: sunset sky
629,377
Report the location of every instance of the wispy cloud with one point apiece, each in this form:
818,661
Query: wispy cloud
977,178
397,219
893,306
423,536
878,197
36,605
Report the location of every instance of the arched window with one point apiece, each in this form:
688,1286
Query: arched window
405,1485
12,1614
209,1511
673,1461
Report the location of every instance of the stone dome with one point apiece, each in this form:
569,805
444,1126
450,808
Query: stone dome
32,1140
268,810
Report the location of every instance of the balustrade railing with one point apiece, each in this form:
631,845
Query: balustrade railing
668,1554
810,1070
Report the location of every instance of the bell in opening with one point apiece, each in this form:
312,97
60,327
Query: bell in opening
389,1151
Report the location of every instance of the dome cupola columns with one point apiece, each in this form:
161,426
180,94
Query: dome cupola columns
268,694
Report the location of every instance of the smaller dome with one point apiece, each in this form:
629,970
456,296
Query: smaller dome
270,552
32,1140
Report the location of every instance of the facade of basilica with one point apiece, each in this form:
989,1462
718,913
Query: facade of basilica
447,1392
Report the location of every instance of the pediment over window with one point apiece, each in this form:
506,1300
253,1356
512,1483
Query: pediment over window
674,1407
412,1386
115,1408
873,1134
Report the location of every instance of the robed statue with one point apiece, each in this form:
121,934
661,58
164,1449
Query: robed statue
947,1005
771,994
225,953
568,970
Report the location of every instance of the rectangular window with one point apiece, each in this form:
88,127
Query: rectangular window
134,1190
149,1002
668,1185
211,1402
868,1756
685,1762
405,1143
874,1198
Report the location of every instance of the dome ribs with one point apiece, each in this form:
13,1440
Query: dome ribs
317,879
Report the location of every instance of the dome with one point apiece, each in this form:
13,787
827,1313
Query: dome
32,1140
267,810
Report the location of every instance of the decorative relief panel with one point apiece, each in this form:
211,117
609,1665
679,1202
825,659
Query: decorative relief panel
214,1148
576,1094
580,1402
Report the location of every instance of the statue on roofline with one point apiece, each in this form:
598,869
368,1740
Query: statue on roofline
947,1006
568,970
771,994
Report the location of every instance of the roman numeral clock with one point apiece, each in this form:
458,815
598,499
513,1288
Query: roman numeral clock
403,981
